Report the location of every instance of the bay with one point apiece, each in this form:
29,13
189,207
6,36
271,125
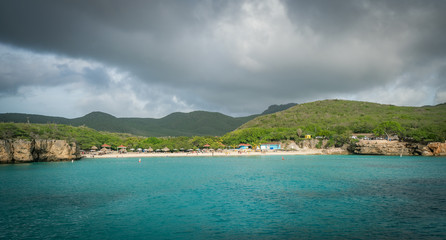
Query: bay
262,197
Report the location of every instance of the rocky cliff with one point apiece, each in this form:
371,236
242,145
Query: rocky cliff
384,147
39,150
437,149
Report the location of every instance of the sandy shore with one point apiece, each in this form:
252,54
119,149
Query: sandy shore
206,154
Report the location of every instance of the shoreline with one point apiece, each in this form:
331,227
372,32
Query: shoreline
217,154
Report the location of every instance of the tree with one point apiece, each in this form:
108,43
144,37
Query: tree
388,128
299,132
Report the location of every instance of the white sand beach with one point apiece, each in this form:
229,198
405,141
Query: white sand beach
215,154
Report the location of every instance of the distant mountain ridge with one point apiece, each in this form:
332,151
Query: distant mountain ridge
277,108
197,123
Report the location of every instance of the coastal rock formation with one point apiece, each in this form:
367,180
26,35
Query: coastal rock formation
336,151
384,147
437,148
39,150
369,147
381,147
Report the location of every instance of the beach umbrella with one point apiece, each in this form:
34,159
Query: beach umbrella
206,145
94,148
166,149
150,149
122,148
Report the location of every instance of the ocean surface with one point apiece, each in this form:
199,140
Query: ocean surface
263,197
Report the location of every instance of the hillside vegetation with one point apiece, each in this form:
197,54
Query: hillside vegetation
86,137
332,117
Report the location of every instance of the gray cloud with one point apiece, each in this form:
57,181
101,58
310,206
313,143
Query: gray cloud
231,56
19,68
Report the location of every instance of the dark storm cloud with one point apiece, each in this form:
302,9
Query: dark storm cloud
414,29
214,55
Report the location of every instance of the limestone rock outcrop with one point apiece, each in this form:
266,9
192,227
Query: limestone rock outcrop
335,151
38,150
384,147
381,147
437,148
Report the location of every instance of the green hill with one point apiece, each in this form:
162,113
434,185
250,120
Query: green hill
32,118
198,123
339,116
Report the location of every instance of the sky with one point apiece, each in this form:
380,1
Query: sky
151,58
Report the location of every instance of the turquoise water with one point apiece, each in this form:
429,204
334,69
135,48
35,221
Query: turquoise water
303,197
